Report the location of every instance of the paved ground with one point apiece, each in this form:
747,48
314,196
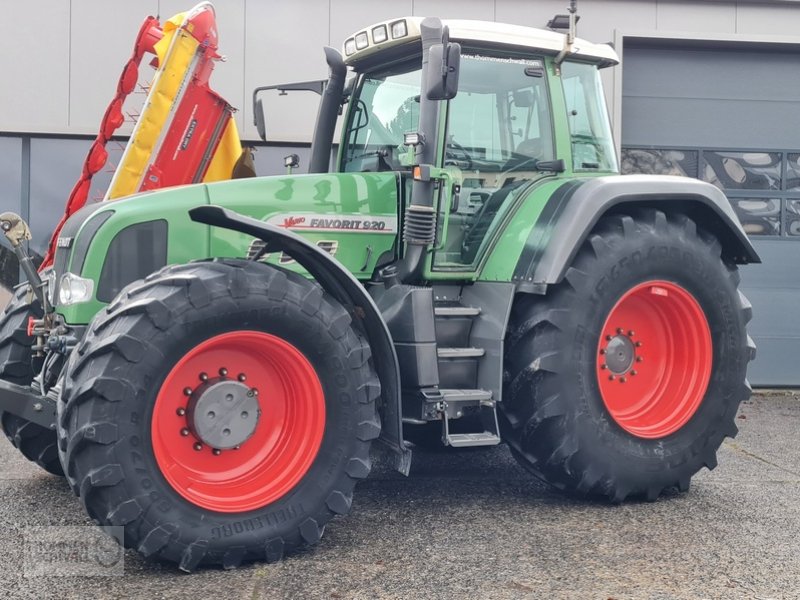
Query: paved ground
474,525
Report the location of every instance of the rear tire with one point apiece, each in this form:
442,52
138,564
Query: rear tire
131,456
659,421
36,443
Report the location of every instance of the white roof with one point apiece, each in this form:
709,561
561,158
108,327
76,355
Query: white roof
489,32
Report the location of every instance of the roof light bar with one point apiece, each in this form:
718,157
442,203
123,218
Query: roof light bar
379,34
399,29
362,40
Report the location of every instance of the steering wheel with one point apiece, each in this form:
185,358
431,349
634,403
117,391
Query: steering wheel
464,161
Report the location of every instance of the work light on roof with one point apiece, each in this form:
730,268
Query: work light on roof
379,34
362,41
349,46
399,29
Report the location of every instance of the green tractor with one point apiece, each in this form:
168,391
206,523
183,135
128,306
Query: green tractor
209,365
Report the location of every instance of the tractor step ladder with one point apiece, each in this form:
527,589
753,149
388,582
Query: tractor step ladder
490,436
458,374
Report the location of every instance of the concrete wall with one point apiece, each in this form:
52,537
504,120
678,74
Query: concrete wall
60,59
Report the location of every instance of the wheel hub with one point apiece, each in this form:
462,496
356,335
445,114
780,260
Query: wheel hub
223,414
620,354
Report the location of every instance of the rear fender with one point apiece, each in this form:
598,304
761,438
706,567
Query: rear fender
340,284
583,203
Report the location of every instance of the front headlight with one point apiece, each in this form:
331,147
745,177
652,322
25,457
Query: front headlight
74,290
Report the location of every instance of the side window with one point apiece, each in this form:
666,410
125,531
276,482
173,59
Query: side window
590,130
474,130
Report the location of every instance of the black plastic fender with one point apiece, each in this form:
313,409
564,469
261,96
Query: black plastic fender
579,204
341,284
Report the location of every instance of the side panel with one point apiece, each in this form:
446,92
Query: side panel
524,225
353,216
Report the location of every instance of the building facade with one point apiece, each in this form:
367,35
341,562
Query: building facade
708,89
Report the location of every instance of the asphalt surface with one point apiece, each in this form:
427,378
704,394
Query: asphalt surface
472,524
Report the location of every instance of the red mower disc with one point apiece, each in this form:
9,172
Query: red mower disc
654,359
280,439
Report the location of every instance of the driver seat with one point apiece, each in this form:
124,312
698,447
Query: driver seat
530,149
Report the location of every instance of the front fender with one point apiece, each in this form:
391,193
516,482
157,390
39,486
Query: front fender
585,202
341,284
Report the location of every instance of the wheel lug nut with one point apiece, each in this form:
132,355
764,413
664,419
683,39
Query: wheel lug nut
604,367
203,377
236,447
622,380
223,372
634,372
181,411
609,337
639,359
602,350
187,391
630,333
184,432
611,377
242,377
198,446
619,330
638,344
216,452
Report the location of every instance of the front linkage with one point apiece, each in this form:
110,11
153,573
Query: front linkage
32,402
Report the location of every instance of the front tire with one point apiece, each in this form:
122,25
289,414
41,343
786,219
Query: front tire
145,431
626,377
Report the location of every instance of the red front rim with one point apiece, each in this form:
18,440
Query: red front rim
654,359
283,444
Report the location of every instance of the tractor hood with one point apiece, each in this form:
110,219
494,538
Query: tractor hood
354,216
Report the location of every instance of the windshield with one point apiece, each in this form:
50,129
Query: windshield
386,107
592,144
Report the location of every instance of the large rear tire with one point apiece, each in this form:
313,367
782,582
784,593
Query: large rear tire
152,442
626,377
36,443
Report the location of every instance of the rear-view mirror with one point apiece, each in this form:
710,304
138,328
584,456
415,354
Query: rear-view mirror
444,63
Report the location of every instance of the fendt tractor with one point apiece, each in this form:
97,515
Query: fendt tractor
210,364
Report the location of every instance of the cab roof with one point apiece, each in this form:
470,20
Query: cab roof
365,46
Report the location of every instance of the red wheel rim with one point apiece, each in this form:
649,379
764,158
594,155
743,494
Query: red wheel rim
654,359
282,445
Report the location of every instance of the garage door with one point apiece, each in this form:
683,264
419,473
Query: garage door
730,116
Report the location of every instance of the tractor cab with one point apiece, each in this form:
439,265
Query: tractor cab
523,108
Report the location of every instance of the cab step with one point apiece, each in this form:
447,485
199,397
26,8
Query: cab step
480,396
463,440
456,311
456,353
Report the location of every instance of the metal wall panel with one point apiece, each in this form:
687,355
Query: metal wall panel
55,166
463,9
102,33
34,63
283,43
773,288
709,17
724,98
